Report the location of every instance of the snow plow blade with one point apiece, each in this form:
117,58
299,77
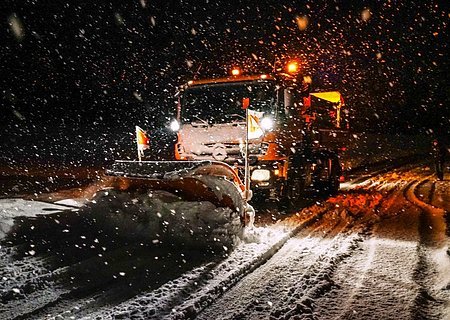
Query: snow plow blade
212,181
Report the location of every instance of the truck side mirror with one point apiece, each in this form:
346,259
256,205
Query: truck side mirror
288,99
289,105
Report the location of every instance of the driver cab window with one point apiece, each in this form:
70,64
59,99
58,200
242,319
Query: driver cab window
293,103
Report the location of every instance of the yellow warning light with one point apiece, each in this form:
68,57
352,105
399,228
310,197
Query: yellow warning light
235,71
292,67
307,79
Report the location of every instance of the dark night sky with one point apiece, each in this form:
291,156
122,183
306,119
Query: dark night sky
87,72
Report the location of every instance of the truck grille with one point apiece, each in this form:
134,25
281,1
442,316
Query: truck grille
235,148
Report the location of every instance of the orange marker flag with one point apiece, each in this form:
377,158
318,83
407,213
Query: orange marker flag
245,103
307,102
143,142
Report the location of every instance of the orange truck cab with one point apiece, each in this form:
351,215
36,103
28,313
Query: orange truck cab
294,136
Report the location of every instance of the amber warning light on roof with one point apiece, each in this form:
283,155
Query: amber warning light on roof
235,71
292,67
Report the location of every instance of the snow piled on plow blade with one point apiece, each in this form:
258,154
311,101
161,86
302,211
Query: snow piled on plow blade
213,181
162,217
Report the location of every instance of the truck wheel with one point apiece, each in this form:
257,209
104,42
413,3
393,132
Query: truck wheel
332,187
294,188
292,195
326,179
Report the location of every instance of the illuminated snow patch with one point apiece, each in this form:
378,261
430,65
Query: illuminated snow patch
13,208
263,235
69,202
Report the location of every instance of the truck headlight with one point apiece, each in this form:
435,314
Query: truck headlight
266,123
260,175
174,125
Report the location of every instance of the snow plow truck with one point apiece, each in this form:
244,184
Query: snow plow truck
260,135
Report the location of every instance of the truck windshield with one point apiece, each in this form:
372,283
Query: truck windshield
222,103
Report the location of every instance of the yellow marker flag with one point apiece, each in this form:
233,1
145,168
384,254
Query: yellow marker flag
254,130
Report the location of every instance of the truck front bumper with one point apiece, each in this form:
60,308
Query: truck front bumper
266,178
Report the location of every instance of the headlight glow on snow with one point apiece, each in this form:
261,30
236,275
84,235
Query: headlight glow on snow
174,125
266,123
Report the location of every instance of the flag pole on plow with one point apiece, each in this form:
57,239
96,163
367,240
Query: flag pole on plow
142,142
250,212
245,105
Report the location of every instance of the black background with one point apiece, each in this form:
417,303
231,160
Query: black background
80,75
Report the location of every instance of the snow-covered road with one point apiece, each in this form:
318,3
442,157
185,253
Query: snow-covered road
377,250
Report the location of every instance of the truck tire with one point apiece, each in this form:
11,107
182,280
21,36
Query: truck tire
327,178
295,185
331,187
334,180
295,190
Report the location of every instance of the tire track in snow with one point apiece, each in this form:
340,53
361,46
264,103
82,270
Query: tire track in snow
27,285
366,179
317,280
311,288
372,284
246,288
33,287
93,292
422,191
192,307
432,237
201,289
313,281
358,285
